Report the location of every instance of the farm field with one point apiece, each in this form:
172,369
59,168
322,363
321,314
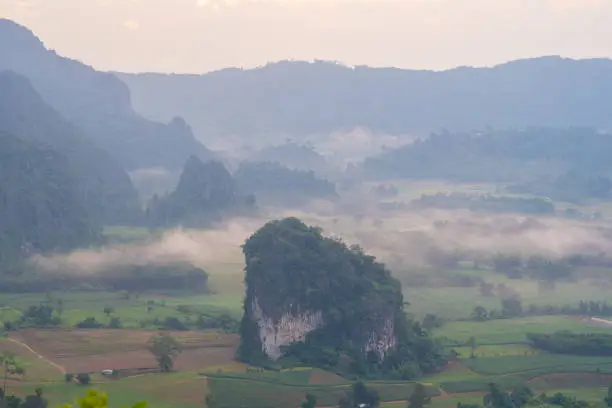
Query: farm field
458,302
96,350
512,331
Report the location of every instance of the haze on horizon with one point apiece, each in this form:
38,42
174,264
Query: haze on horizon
196,36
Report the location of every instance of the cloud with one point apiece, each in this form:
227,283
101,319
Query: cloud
132,25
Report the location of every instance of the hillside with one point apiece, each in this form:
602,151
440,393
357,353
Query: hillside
40,202
504,155
98,103
313,300
103,185
276,184
206,193
300,97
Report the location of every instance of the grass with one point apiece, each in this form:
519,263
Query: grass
539,364
458,302
132,311
161,391
507,331
496,351
255,393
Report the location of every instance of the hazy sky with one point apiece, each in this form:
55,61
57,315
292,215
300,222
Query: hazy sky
203,35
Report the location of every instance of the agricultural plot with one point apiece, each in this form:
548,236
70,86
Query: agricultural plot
257,393
496,351
96,350
36,368
512,331
539,364
134,312
454,303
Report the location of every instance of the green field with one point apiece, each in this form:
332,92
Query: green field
511,331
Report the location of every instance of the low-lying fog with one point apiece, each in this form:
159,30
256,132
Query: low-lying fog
401,239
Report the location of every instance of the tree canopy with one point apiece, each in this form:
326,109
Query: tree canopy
292,267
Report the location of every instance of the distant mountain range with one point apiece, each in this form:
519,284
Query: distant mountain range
297,98
98,104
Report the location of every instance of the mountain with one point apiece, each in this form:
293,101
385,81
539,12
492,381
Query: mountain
98,103
104,186
206,193
318,302
276,184
298,98
41,205
496,155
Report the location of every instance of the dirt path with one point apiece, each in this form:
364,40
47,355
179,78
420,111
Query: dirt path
38,355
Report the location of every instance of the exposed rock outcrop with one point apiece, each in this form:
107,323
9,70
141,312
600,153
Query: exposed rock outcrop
306,291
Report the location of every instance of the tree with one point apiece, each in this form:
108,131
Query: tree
431,321
521,395
165,348
59,306
471,343
419,397
7,360
496,398
479,314
108,311
83,378
309,402
608,398
360,395
512,307
115,323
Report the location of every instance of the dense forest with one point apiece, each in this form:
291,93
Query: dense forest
300,98
512,155
291,269
103,184
277,184
206,192
41,205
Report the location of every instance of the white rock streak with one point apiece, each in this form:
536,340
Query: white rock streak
383,340
288,329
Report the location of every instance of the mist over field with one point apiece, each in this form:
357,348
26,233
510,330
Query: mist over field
406,239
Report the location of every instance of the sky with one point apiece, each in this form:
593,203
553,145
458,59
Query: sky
197,36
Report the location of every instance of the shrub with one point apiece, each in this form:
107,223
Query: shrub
89,323
84,378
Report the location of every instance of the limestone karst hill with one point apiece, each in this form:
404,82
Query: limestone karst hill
314,300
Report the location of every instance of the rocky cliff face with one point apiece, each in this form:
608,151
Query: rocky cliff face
313,292
275,333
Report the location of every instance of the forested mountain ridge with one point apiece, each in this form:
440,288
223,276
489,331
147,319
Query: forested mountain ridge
98,103
496,155
206,193
276,184
301,97
40,202
103,185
